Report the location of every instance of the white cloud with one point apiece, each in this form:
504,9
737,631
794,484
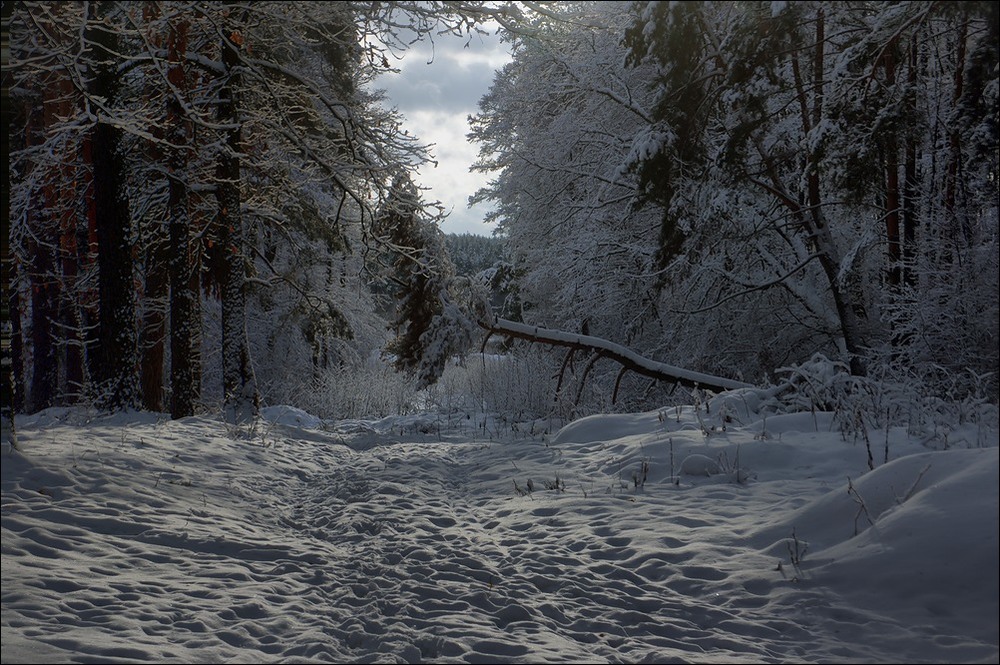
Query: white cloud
435,90
450,182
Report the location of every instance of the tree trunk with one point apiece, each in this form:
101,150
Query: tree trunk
182,315
64,204
182,297
72,326
602,348
910,219
15,123
893,205
240,386
38,266
43,249
154,324
118,383
19,387
953,177
7,384
829,258
44,298
90,296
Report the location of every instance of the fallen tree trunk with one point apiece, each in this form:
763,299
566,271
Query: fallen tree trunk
628,359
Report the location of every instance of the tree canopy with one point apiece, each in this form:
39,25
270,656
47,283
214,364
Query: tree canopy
210,203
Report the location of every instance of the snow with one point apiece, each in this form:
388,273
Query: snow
679,535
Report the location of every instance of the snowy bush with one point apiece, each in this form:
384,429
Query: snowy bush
517,385
369,389
890,397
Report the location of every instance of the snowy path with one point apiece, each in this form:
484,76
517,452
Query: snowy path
167,541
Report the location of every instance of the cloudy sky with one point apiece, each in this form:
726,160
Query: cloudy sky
437,87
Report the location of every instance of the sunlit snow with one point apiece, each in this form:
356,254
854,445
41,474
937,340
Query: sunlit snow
711,534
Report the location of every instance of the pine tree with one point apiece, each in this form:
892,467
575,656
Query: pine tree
117,371
431,325
416,273
239,384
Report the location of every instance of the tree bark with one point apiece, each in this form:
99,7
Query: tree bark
893,205
44,296
829,257
66,210
8,433
154,324
241,396
183,294
603,348
118,382
15,123
954,167
909,195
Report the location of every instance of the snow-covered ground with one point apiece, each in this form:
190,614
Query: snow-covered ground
670,536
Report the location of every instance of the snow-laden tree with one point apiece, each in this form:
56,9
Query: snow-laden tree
8,434
248,144
741,115
916,100
67,197
555,128
806,109
781,179
430,324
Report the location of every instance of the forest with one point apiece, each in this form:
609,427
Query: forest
209,207
722,385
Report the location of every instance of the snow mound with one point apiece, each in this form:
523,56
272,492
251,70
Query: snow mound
290,416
